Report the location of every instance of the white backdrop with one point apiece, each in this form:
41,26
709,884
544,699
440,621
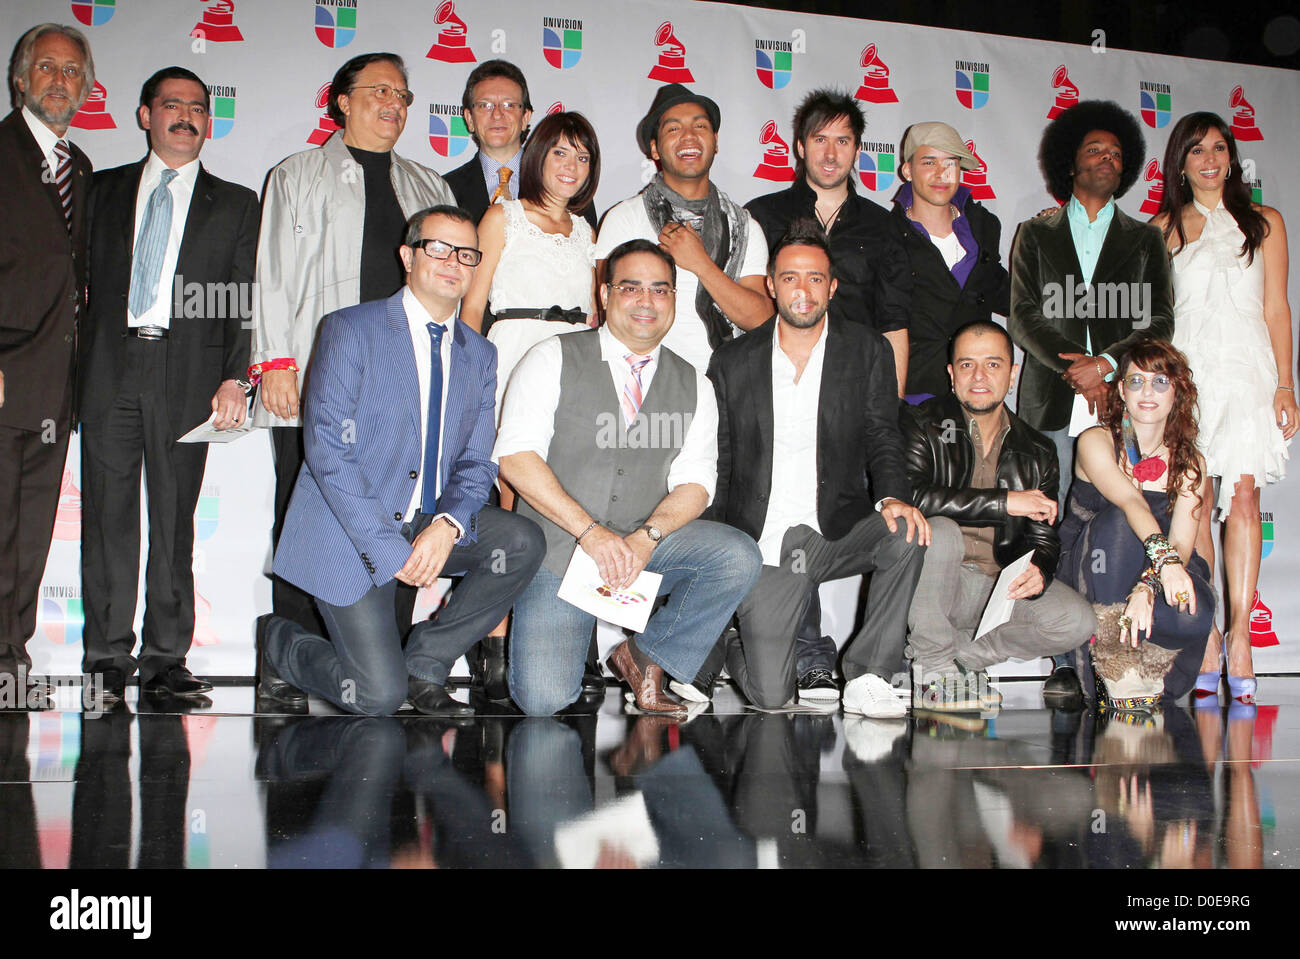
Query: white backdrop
267,63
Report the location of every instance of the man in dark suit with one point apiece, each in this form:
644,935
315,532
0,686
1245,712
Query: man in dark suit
807,409
497,112
400,415
166,347
42,279
1087,282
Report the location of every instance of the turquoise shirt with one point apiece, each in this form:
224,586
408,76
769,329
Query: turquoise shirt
1088,236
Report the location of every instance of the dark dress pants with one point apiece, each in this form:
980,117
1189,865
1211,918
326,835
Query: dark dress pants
137,426
31,468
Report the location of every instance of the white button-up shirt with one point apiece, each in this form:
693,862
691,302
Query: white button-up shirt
528,412
792,500
182,190
418,318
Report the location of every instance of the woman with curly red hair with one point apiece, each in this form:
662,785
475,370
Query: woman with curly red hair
1134,511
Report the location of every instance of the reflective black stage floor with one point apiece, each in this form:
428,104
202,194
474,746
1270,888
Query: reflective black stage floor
151,784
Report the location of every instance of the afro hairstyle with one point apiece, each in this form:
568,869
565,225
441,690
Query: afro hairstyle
1063,136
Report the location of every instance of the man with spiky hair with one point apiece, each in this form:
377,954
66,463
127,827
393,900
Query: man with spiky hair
42,283
1067,271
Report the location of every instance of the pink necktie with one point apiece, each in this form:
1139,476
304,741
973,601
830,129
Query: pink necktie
632,386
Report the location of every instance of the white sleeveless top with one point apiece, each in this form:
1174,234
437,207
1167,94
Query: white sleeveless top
540,269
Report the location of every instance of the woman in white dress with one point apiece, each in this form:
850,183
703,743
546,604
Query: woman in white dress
1232,320
538,274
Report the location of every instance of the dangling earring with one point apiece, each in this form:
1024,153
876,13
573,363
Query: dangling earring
1184,176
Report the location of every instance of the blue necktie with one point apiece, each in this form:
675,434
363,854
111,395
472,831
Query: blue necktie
151,245
429,496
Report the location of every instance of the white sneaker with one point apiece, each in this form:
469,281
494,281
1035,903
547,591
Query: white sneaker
687,692
873,697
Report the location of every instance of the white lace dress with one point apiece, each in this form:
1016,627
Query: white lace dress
537,270
1219,325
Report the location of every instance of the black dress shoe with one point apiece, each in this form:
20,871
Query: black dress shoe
1061,690
495,686
176,680
109,682
433,700
268,684
20,693
593,680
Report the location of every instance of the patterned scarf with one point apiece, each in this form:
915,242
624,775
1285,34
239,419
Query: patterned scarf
721,224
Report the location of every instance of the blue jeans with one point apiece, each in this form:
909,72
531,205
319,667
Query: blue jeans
707,569
362,667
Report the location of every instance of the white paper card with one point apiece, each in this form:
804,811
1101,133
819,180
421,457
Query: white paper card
629,608
1080,418
207,433
998,611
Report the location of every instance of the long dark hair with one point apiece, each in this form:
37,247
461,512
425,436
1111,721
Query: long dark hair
1158,356
1188,132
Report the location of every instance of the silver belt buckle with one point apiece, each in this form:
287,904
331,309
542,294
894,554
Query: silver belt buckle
150,332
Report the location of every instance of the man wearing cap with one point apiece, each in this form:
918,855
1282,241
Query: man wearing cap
719,249
952,249
874,283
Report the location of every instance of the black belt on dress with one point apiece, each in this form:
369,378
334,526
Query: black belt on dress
147,332
552,314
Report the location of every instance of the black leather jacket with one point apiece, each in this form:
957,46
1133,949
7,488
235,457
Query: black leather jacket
940,460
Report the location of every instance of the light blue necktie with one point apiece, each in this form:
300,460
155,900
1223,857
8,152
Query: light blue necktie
429,495
151,246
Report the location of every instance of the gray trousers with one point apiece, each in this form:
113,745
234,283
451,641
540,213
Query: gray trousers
950,600
763,663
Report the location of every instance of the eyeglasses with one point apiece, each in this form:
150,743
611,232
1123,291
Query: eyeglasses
505,106
384,93
438,250
1159,382
633,291
69,70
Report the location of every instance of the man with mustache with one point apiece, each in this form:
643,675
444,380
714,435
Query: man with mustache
42,279
164,348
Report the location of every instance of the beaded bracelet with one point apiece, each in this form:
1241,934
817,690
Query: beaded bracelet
1159,551
1150,579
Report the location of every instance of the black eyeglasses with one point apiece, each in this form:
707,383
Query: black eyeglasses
438,250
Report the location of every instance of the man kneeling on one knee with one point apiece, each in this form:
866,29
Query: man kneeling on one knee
987,482
610,440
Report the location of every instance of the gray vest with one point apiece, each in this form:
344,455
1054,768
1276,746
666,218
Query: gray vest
618,475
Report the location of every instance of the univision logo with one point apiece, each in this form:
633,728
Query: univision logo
336,22
94,13
62,615
876,165
207,513
222,120
1266,527
774,62
561,41
448,134
972,84
1156,101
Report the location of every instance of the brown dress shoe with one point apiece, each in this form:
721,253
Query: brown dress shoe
647,687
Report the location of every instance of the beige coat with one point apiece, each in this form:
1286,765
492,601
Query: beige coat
309,247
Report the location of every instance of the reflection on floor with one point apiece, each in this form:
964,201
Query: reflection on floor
152,784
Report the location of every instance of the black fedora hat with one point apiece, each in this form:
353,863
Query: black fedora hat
667,97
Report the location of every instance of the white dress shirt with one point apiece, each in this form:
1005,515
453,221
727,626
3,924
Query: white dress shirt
418,318
528,413
45,138
182,190
792,500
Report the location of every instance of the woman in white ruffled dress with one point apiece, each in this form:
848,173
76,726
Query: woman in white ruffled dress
538,270
1232,321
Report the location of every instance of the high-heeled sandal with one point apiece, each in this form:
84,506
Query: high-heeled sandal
1242,688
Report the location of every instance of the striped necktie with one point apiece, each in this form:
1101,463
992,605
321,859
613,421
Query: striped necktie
63,179
151,245
632,395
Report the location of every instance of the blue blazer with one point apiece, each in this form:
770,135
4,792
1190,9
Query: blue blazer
361,421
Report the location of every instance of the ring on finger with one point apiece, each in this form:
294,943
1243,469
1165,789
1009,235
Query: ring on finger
1181,597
